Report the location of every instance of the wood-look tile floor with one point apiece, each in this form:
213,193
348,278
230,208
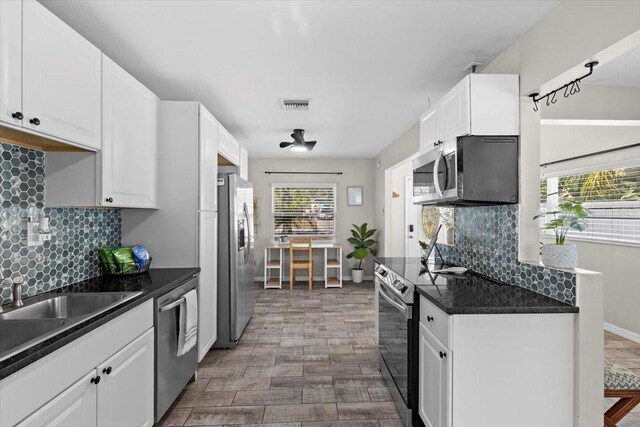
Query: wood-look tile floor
625,353
305,359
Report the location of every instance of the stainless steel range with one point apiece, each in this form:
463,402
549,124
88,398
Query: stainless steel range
397,340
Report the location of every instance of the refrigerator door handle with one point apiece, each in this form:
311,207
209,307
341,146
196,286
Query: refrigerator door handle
248,246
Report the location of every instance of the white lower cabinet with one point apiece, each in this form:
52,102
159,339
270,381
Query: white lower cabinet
76,406
125,392
434,384
104,378
495,370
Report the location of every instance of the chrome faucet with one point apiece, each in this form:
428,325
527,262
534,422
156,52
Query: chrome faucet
17,292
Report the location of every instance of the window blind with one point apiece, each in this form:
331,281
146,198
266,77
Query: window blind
303,209
612,196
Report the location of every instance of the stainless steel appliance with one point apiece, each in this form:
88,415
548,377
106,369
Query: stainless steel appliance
397,340
468,170
172,372
236,302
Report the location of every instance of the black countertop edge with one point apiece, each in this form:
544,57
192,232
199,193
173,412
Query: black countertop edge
153,284
497,310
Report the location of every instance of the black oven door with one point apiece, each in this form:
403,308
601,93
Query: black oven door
394,326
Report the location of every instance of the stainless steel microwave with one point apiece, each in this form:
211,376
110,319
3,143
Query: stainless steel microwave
468,170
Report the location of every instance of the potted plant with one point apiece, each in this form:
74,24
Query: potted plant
569,215
363,245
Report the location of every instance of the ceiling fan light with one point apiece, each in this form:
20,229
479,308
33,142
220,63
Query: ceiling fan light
298,148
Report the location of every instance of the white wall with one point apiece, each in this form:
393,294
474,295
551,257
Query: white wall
356,172
405,146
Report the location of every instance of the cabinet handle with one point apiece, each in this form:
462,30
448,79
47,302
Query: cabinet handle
18,115
109,199
35,121
95,380
107,370
429,319
443,355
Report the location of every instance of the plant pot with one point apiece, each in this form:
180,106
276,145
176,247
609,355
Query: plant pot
356,275
560,256
450,236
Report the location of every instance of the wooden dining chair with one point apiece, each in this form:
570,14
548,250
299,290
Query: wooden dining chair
298,244
624,384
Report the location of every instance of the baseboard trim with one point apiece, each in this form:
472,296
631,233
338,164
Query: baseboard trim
622,332
315,278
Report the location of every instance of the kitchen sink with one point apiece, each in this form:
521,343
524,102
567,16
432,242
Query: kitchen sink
46,315
62,306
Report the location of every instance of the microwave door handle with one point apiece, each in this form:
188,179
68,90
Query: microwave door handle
436,177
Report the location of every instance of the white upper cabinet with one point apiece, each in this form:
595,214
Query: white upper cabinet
454,112
208,161
228,147
480,104
60,79
429,128
129,140
244,163
11,60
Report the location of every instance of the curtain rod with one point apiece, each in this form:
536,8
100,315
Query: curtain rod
610,150
302,173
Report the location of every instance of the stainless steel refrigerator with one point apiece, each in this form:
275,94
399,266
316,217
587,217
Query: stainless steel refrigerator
236,300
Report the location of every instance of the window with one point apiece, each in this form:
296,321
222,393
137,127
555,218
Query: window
303,209
612,196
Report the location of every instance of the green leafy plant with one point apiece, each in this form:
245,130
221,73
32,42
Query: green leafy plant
363,243
570,215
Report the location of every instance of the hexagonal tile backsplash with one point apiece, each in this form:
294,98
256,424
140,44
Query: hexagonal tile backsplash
486,241
76,234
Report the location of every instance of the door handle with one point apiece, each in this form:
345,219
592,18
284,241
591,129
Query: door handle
436,175
405,310
171,305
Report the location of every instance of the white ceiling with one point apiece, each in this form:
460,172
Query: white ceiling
622,71
368,66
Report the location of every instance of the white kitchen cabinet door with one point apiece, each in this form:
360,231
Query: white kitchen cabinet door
129,140
76,406
434,380
60,78
429,129
11,60
454,118
228,146
244,163
208,161
126,388
208,283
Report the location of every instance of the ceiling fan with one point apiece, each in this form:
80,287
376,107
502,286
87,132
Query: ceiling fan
298,143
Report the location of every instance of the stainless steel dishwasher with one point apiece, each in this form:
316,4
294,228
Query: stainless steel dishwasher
172,372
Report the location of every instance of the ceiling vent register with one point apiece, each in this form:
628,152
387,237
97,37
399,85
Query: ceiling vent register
298,104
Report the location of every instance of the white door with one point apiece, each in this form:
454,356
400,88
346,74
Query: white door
76,406
208,283
455,112
208,161
11,60
60,80
129,139
429,129
434,389
126,388
411,221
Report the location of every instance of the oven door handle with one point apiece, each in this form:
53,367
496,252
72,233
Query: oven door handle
405,310
436,175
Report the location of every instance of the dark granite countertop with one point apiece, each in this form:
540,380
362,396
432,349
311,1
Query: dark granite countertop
153,284
471,293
